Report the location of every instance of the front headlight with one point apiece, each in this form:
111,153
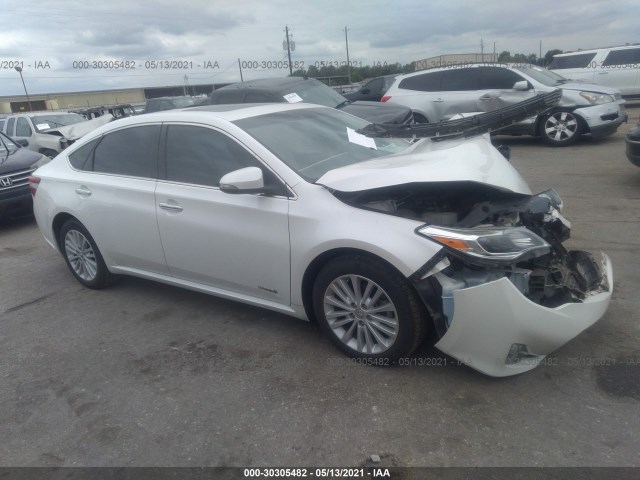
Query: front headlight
596,98
504,245
41,161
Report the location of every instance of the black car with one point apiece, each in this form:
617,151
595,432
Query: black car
373,90
633,145
167,103
16,165
303,89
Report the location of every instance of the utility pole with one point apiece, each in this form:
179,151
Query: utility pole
240,67
19,70
482,50
346,40
286,29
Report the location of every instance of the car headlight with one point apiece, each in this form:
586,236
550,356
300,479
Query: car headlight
596,98
41,161
504,245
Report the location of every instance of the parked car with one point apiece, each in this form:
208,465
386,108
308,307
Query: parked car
633,145
116,111
290,208
440,93
615,67
50,132
168,103
303,89
373,90
16,165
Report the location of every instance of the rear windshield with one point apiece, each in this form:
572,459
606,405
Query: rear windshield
580,60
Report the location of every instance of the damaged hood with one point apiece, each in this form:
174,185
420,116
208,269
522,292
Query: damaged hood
472,159
589,87
77,130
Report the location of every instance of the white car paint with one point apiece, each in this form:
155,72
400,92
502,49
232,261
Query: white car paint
257,248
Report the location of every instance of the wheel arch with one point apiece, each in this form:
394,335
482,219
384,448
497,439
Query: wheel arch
314,267
58,221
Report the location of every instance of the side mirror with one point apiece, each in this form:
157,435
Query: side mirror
521,86
245,180
365,91
23,142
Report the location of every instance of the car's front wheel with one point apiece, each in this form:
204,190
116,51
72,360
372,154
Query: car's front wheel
368,309
560,129
82,255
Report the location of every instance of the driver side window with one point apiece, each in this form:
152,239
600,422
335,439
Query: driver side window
202,156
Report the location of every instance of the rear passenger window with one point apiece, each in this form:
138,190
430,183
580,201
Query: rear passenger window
580,60
10,123
427,82
461,79
78,159
627,56
131,152
498,78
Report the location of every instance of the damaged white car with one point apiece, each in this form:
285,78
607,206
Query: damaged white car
296,208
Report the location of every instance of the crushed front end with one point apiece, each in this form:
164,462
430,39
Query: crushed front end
504,292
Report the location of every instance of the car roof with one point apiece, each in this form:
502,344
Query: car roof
595,50
509,66
39,114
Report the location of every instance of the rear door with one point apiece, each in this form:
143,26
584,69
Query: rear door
459,92
114,196
238,243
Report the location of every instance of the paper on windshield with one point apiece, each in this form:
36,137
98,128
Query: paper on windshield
42,126
359,139
292,97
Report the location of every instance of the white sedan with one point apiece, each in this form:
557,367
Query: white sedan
288,207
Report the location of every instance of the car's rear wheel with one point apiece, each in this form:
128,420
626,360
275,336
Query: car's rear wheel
368,309
560,129
82,255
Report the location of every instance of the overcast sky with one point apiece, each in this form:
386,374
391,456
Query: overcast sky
62,32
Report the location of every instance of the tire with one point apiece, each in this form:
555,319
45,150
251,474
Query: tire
560,129
357,329
418,118
82,256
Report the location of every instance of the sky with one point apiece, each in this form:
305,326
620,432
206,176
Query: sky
53,40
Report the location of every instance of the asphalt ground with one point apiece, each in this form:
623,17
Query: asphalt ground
144,374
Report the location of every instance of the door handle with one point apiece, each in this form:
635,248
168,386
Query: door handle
602,73
488,97
438,100
171,207
83,191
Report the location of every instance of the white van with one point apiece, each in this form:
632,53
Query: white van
617,67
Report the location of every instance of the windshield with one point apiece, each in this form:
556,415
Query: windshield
181,102
318,93
543,76
45,122
313,141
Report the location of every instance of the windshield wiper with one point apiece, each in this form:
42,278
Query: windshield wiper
343,104
468,126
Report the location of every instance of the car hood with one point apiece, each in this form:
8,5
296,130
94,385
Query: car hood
473,160
77,130
21,159
376,112
589,87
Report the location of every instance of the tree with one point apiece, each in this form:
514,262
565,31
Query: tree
548,57
504,57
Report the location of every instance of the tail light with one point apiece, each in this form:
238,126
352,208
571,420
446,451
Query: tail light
33,184
385,98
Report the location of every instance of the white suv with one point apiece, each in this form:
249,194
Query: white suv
440,93
617,67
